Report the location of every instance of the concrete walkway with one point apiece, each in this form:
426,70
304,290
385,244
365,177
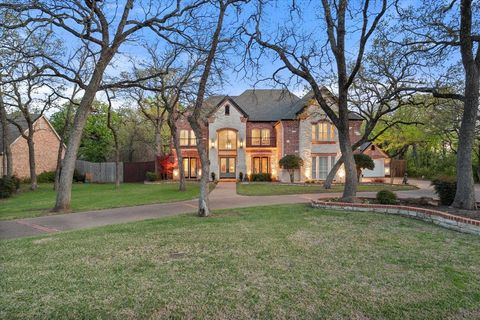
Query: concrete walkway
224,196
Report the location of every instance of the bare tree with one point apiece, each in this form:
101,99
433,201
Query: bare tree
102,32
24,97
436,31
198,118
304,57
114,129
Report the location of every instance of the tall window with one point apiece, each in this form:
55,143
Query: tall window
321,166
260,137
323,131
227,140
265,137
187,138
227,110
260,165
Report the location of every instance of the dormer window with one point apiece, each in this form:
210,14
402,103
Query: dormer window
227,110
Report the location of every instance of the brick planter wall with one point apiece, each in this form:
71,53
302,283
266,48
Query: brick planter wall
439,218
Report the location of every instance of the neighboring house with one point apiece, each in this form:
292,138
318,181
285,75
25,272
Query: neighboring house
46,142
380,159
251,132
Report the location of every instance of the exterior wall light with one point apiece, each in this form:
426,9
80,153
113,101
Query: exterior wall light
240,143
175,173
212,143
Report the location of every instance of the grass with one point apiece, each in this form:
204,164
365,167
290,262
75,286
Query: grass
270,189
92,197
266,262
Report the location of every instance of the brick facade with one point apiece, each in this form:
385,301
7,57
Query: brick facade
290,133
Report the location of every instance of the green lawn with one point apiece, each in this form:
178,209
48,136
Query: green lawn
269,262
269,188
93,196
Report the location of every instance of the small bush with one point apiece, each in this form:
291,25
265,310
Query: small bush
445,187
213,176
240,176
46,177
151,176
261,177
386,197
78,177
8,186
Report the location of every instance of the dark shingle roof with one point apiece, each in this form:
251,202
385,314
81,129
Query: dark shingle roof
260,104
269,104
13,132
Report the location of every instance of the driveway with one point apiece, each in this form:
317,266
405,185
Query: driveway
224,196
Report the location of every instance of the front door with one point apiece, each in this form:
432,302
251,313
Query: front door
227,167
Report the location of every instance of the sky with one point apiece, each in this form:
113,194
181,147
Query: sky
276,17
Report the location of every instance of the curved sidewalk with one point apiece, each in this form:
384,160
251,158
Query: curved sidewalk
224,196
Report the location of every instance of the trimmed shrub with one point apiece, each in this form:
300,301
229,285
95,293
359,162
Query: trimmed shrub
386,197
46,177
8,186
363,161
151,176
261,177
213,176
291,162
78,177
240,176
445,187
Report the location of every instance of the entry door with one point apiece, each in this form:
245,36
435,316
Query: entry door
227,167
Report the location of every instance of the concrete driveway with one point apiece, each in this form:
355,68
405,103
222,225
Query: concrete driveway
224,196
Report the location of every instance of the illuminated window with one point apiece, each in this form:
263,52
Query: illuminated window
187,138
261,165
227,140
260,137
265,137
323,131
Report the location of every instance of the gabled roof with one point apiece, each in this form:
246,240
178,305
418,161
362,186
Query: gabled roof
259,104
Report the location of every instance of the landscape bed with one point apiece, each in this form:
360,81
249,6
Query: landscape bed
289,261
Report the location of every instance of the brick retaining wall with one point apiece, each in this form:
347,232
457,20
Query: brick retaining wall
439,218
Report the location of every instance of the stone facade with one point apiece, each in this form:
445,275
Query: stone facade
46,143
236,121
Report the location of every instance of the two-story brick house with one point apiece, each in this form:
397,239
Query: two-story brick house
249,133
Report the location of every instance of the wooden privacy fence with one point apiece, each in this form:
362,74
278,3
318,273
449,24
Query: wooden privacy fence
136,171
398,167
100,172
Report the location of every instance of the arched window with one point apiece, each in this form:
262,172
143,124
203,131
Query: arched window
227,110
227,140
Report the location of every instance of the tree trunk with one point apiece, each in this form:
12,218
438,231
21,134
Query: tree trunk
66,126
203,202
7,163
31,160
64,192
117,169
176,143
351,181
158,147
327,184
465,195
292,175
